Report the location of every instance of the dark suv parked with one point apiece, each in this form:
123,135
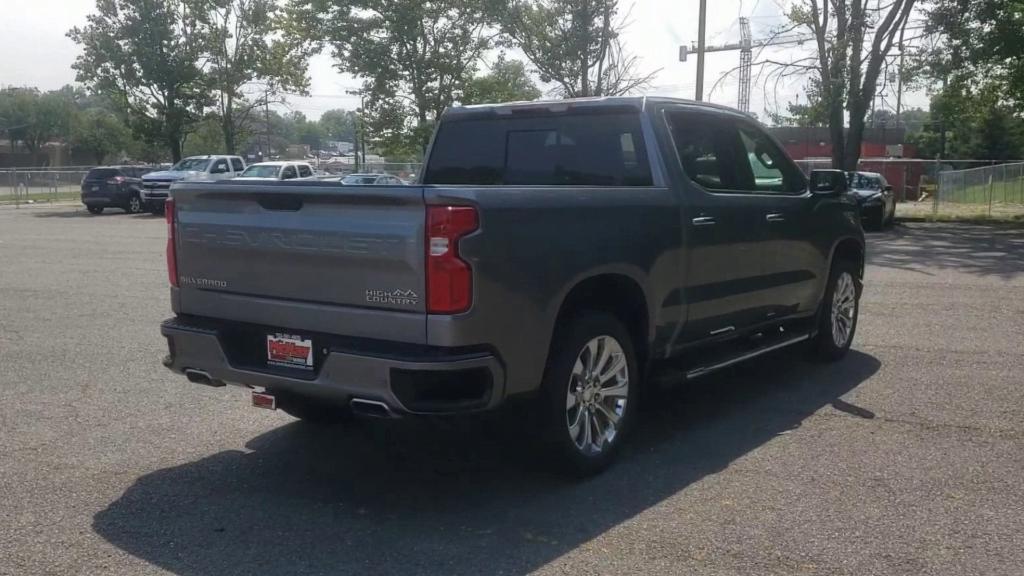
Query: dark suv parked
113,187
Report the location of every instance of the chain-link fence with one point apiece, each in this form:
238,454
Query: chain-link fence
407,171
20,186
991,191
32,185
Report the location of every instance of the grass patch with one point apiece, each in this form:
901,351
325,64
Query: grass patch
953,212
37,197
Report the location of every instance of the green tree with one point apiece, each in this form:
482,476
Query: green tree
414,57
853,40
576,44
206,138
100,133
147,55
306,132
812,114
16,112
340,125
246,52
507,81
33,118
979,124
973,40
270,133
915,120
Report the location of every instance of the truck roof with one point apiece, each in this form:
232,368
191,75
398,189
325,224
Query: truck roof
279,163
637,102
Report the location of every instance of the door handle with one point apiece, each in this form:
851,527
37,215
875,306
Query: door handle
704,221
776,217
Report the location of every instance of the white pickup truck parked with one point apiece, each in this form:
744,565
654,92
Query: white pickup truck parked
273,171
156,185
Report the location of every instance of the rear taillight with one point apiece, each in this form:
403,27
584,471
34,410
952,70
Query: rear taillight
172,253
115,180
449,277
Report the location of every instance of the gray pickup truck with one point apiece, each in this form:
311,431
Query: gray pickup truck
565,253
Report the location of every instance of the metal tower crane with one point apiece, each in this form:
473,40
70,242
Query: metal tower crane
746,46
746,58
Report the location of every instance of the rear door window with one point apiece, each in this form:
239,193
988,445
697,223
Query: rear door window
288,173
237,164
304,171
544,150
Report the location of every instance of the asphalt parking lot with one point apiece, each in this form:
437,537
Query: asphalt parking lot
906,458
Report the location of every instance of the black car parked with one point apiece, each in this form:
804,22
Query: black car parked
875,197
113,187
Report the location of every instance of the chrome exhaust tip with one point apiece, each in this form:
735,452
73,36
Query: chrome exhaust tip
372,408
201,377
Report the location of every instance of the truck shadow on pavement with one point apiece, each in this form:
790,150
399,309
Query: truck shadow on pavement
980,249
465,497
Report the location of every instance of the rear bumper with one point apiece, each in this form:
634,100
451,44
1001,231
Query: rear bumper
409,380
105,197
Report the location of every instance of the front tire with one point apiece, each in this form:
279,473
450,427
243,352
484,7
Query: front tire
134,205
589,393
837,319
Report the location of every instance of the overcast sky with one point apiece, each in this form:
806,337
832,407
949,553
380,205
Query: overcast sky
34,51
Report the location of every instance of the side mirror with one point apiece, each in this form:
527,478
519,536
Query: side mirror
828,182
888,188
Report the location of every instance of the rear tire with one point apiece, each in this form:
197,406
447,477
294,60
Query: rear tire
94,209
837,318
589,393
312,410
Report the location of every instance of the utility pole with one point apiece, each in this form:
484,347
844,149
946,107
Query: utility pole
899,82
701,30
266,124
360,143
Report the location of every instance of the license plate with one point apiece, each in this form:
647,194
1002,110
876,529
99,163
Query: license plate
289,351
95,188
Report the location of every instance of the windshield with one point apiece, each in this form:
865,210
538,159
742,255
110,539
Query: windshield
192,164
359,180
863,182
261,172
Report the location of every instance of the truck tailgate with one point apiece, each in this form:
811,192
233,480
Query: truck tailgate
339,254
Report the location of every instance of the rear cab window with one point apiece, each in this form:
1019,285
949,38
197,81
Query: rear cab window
102,173
237,165
305,171
543,149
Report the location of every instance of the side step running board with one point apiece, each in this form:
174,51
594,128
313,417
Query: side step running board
703,370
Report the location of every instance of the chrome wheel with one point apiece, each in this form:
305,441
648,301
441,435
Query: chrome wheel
844,307
596,399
